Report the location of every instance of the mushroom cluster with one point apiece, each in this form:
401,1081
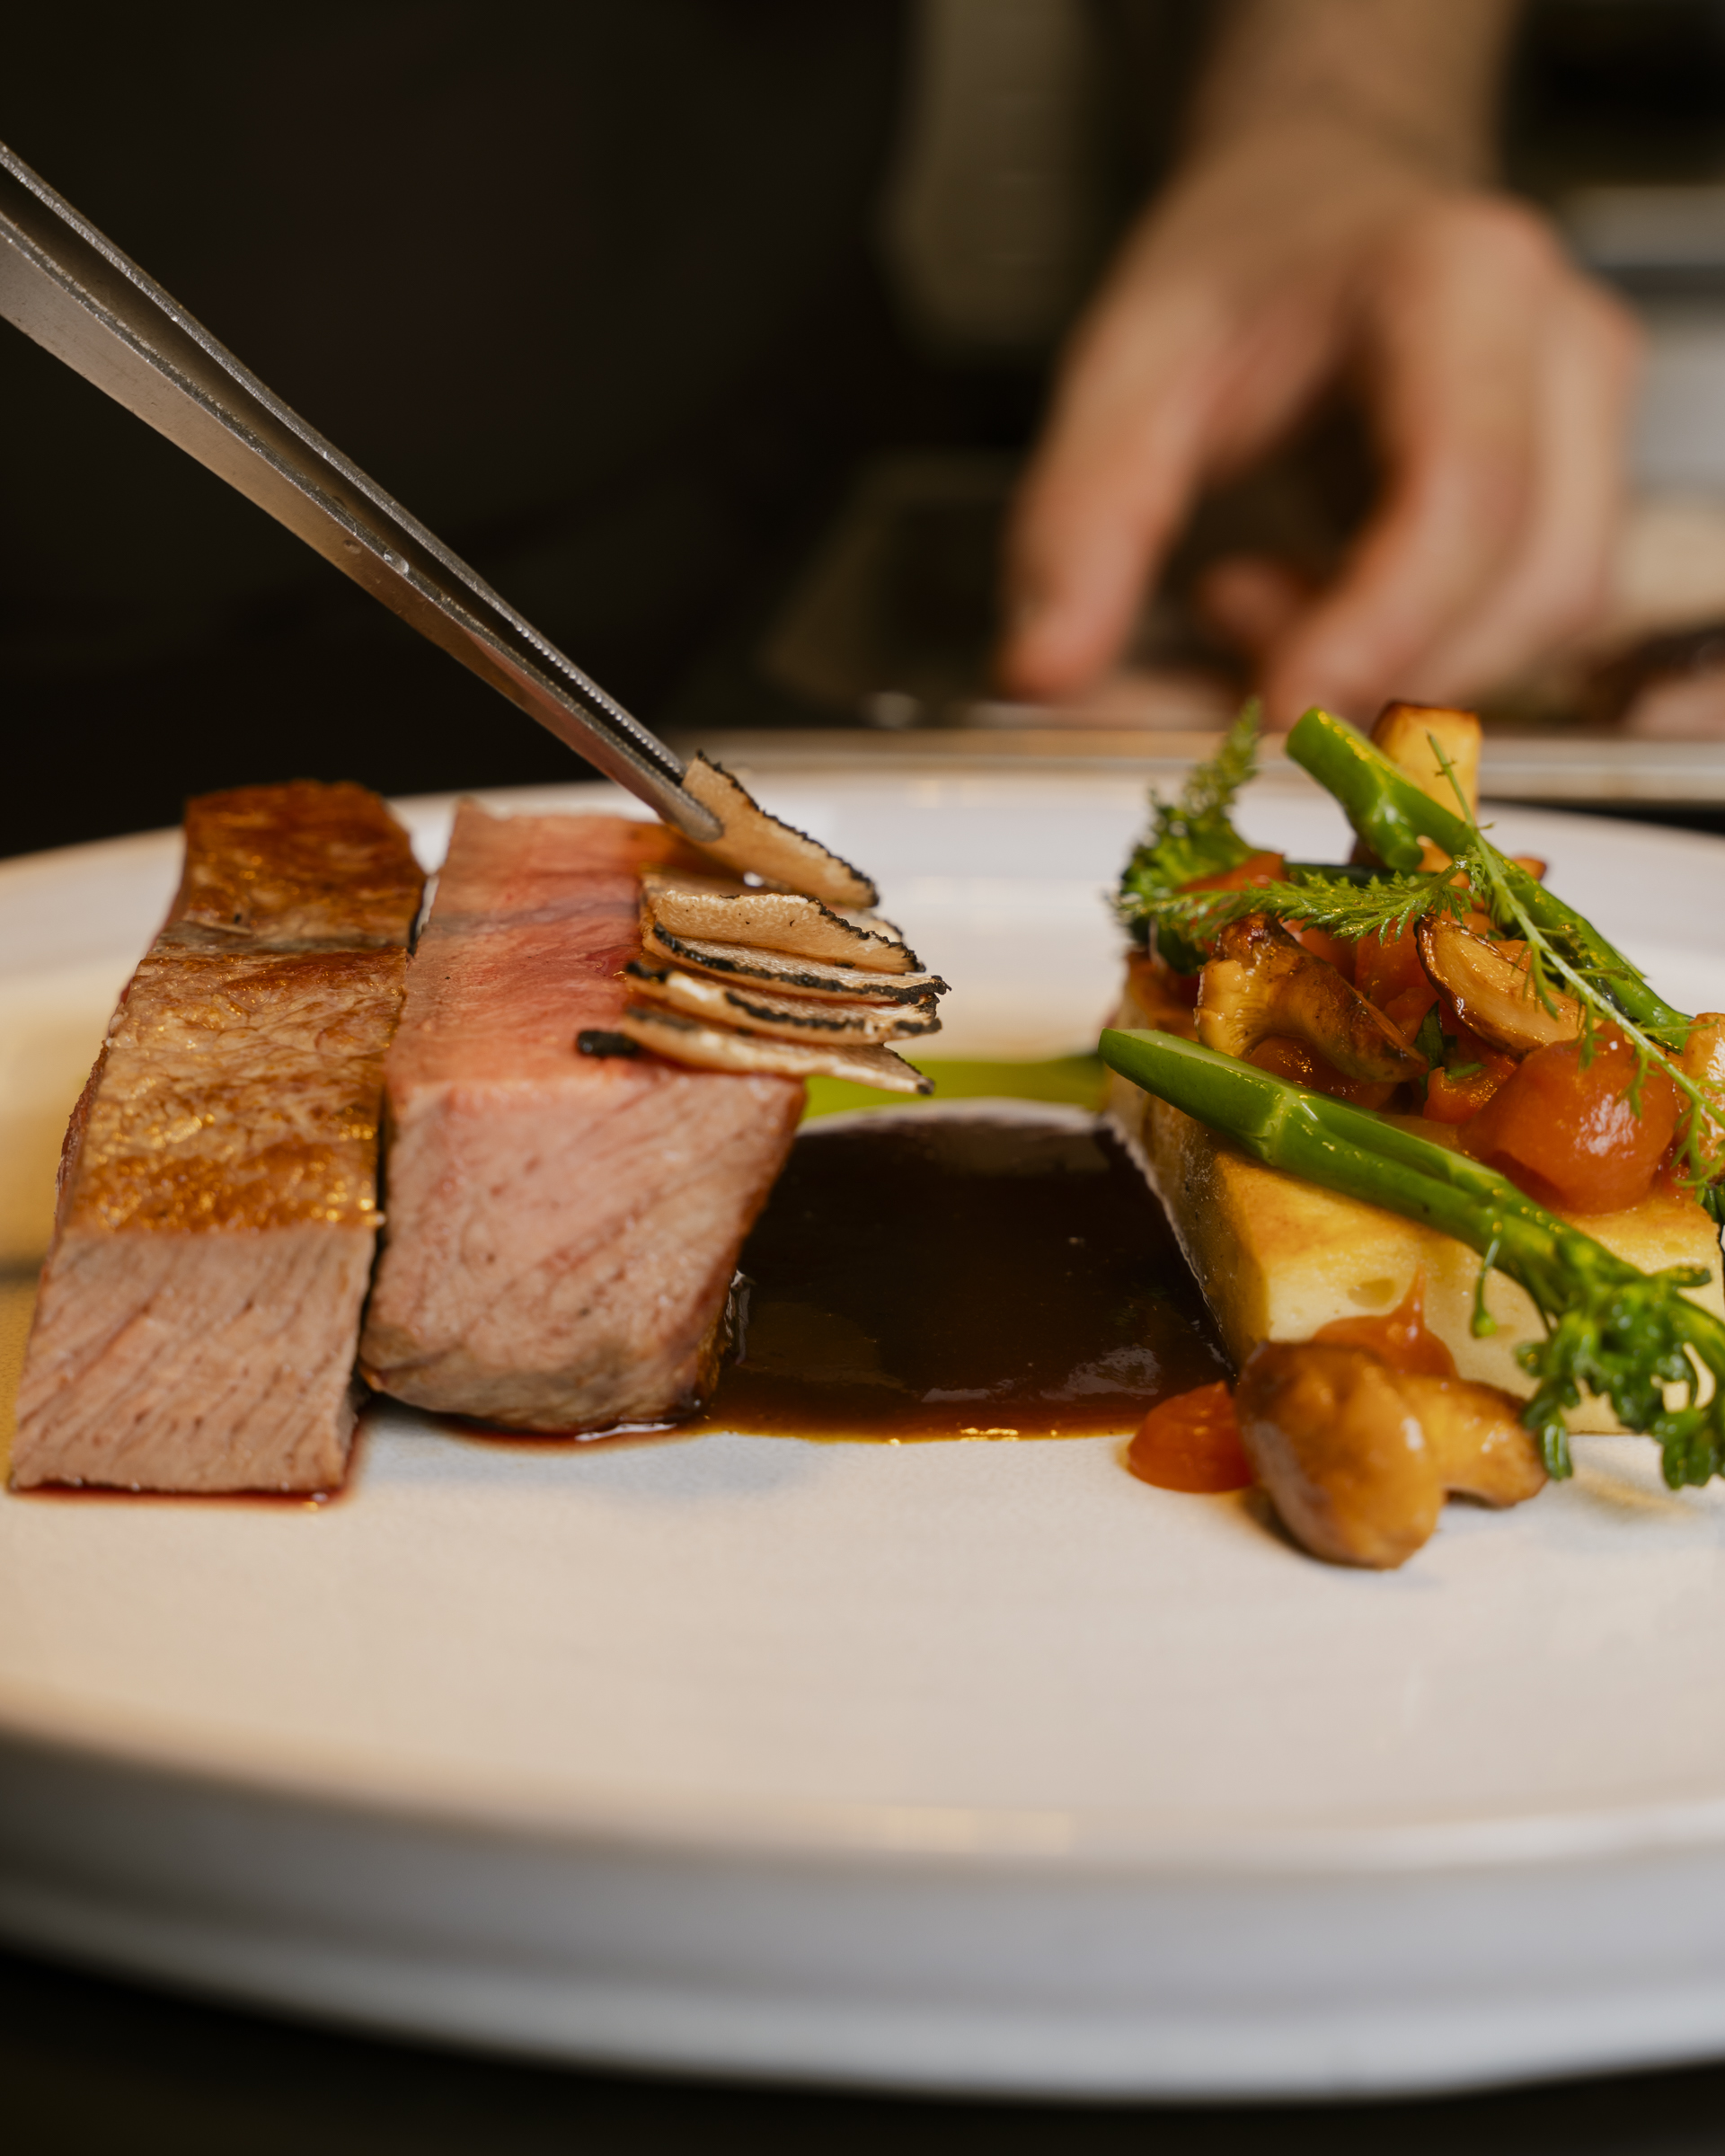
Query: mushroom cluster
1263,985
1490,989
1357,1456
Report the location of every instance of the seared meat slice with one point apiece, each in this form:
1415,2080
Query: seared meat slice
217,1215
196,1325
562,1227
287,866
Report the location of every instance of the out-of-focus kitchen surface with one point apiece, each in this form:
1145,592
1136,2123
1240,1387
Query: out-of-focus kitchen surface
1615,120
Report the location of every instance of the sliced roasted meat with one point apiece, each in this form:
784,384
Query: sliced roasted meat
562,1227
201,1304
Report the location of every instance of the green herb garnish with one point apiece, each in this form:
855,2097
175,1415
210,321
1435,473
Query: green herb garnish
1564,952
1563,949
1192,836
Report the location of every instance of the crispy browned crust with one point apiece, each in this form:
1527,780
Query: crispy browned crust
296,864
218,1188
238,1090
241,1084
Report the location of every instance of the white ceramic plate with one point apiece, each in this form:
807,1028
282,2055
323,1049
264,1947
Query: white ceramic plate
971,1766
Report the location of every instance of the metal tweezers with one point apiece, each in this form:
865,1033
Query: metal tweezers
73,291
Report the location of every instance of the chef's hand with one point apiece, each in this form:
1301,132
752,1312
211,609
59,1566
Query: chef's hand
1283,263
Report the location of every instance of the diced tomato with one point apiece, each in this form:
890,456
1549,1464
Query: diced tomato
1406,1012
1387,967
1293,1060
1155,983
1457,1099
1255,871
1566,1130
1322,944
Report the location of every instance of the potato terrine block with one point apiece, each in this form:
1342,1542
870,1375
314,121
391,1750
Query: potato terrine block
564,1225
217,1214
1277,1257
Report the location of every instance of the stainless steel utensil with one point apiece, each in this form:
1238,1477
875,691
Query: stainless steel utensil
73,291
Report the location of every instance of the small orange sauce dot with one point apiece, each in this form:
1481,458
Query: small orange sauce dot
1191,1442
1401,1338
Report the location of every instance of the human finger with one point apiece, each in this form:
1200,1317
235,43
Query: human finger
1251,599
1451,326
1108,489
1554,585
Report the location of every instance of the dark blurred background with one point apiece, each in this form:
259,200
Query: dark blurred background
90,2069
709,331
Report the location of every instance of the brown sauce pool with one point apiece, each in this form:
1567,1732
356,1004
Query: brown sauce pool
955,1276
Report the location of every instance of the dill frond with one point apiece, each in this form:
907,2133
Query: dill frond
1192,836
1387,906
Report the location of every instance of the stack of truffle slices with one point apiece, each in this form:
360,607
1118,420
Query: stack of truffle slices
780,965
